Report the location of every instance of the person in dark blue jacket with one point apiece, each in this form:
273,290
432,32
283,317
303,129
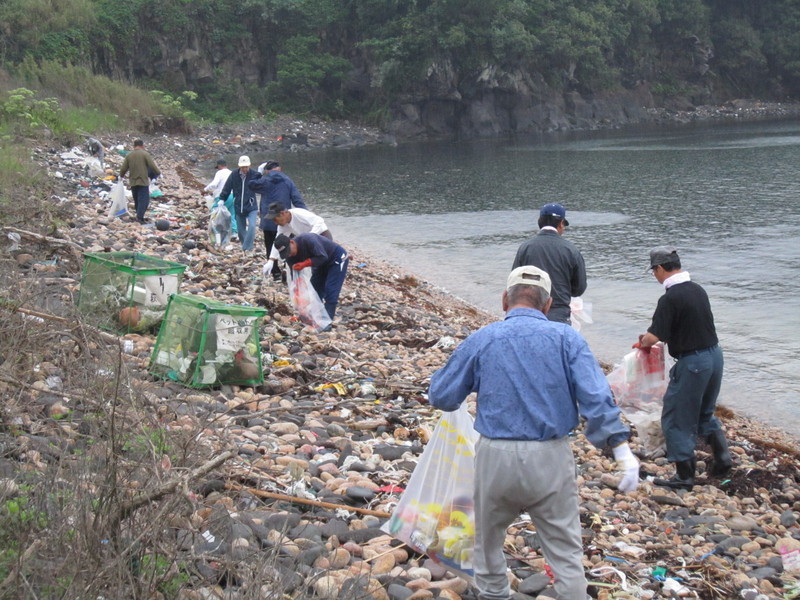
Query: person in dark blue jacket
245,205
275,186
327,259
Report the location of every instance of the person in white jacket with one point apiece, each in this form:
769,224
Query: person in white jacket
292,222
220,177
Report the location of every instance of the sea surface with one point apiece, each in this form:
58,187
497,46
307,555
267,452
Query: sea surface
727,196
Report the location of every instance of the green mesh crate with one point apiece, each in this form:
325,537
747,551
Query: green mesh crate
126,291
204,343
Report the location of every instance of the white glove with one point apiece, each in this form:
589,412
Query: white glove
268,267
629,465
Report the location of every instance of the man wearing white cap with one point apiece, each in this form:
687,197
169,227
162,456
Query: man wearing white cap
533,378
245,203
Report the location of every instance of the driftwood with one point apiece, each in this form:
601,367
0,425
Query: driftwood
109,337
167,488
72,247
296,500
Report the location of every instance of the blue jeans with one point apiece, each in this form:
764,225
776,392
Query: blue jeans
247,225
690,400
327,280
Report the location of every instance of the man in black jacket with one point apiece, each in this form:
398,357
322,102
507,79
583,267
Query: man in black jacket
684,321
557,257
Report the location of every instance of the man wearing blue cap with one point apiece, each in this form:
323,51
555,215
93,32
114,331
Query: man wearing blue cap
561,260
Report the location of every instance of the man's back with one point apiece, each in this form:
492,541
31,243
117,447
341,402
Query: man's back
683,319
562,261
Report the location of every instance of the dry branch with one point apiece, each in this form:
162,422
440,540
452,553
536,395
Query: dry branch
296,500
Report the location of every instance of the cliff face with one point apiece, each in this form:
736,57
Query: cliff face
498,103
492,102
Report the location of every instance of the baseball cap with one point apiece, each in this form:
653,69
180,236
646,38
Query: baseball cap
662,255
529,275
271,164
244,161
281,244
274,210
221,162
554,210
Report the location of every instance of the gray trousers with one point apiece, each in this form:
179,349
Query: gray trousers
534,477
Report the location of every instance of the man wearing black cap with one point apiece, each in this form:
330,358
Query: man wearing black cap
557,257
683,320
327,259
274,186
291,222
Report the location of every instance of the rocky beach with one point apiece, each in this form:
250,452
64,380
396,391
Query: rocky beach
280,490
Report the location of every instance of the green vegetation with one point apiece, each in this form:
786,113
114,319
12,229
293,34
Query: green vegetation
341,58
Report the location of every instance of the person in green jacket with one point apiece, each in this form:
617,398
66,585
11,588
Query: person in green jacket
142,168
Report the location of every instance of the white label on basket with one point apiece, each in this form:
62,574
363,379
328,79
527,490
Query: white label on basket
233,332
158,289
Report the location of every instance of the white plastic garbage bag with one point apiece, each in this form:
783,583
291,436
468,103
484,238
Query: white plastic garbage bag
581,312
119,205
638,384
94,168
220,226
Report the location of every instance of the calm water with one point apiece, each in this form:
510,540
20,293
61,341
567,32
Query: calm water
727,197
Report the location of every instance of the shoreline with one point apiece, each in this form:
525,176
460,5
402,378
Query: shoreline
286,134
299,434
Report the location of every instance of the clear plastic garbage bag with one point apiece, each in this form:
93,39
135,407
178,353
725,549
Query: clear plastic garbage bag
638,384
435,514
219,226
580,312
305,300
119,204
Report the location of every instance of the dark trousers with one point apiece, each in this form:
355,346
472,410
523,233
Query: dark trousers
141,200
327,280
269,239
689,402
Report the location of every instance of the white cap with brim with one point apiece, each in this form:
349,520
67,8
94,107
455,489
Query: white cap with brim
529,275
244,161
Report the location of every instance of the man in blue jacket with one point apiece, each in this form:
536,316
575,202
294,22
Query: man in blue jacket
275,186
245,205
327,259
534,378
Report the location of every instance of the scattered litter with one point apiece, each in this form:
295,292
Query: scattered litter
15,239
445,342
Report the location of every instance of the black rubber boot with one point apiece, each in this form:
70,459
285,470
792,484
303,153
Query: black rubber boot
683,478
723,463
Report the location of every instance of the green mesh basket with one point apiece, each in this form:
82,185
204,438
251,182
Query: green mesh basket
127,292
204,343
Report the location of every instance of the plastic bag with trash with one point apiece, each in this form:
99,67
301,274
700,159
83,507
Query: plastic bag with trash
119,204
435,514
638,384
15,239
305,300
94,168
219,225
